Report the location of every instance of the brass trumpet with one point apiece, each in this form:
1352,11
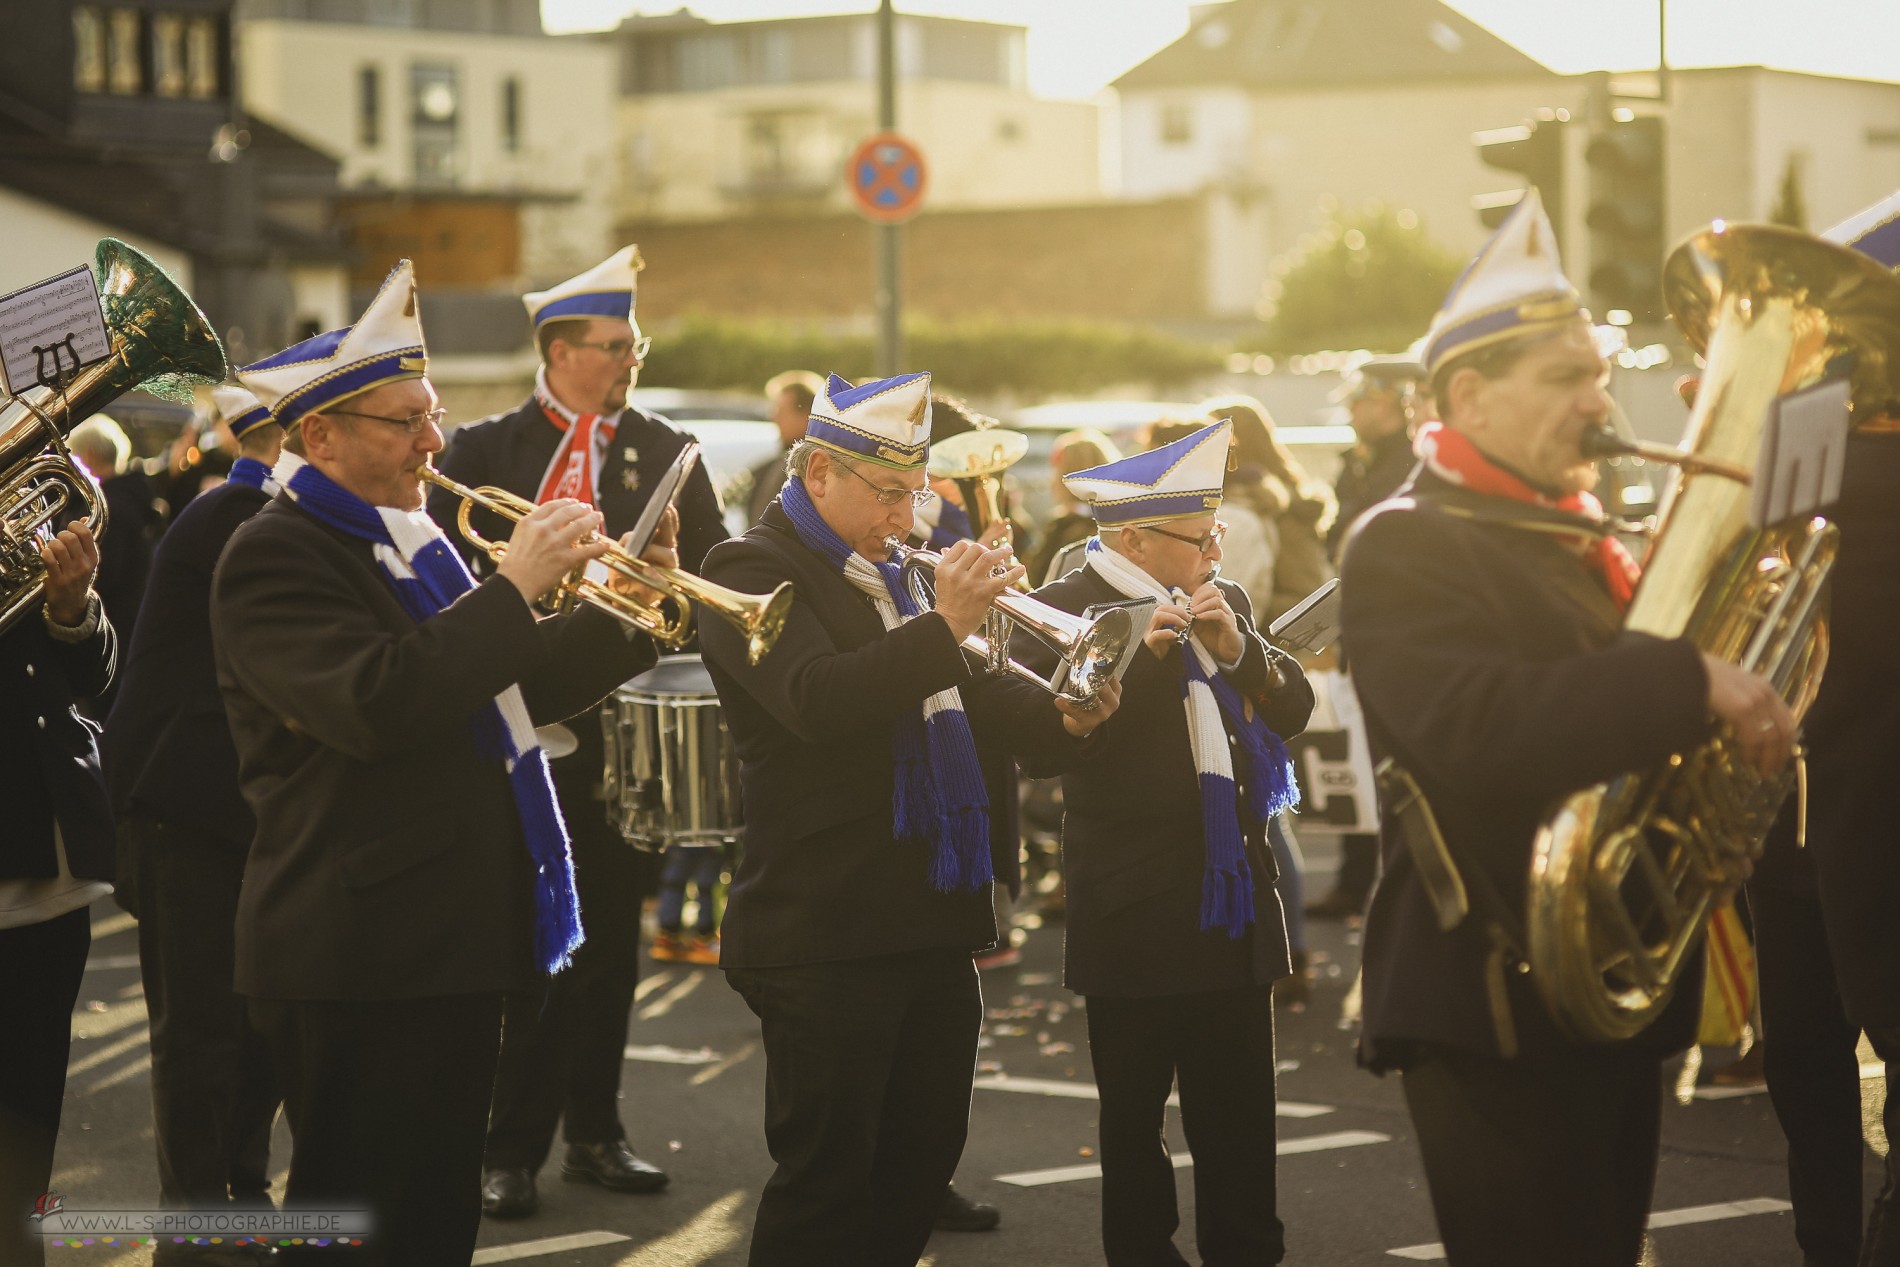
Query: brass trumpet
1089,653
760,617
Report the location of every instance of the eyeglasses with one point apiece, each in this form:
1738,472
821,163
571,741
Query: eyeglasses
619,349
891,496
1205,542
414,424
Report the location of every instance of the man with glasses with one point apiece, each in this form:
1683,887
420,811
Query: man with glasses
865,885
577,437
409,866
1175,933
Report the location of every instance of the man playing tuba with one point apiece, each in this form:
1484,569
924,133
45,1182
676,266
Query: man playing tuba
1483,612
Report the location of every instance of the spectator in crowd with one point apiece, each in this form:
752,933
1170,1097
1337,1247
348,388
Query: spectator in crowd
133,522
791,394
1070,522
1297,508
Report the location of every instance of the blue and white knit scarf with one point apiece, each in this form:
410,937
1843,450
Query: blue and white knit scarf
427,575
939,796
254,473
1207,696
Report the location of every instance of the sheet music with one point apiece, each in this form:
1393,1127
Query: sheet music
52,324
1803,454
1311,623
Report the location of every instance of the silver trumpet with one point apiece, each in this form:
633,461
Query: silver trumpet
1089,652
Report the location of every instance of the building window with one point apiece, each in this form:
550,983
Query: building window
511,114
201,58
89,49
1177,123
125,67
168,55
369,107
436,101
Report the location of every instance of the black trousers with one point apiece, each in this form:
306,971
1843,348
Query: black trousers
1552,1164
213,1095
1218,1047
867,1101
564,1046
41,965
1809,1058
387,1101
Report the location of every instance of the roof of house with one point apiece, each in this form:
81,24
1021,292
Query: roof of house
1330,43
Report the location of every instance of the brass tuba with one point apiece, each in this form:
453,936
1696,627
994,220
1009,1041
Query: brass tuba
158,339
1626,874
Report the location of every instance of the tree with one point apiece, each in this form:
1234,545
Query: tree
1791,205
1370,279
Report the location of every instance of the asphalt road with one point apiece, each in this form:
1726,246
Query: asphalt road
1351,1191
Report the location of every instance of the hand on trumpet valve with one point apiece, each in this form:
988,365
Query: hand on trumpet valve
662,551
1079,719
549,543
1169,626
968,580
1215,624
998,533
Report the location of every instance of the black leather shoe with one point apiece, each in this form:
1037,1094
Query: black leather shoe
960,1214
611,1166
509,1194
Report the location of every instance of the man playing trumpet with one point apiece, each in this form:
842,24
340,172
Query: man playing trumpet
1175,935
409,865
865,884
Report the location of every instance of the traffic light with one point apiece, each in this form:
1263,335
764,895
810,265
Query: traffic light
1625,215
1533,150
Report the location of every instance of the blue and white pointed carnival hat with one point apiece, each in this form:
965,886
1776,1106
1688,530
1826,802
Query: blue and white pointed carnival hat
886,421
241,410
1179,480
1514,287
1875,231
608,289
384,346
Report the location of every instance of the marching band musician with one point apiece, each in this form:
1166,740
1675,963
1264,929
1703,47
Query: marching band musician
577,437
184,830
1827,951
410,864
1482,614
1175,935
865,884
56,858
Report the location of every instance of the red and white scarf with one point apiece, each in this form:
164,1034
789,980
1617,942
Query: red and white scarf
574,471
1453,458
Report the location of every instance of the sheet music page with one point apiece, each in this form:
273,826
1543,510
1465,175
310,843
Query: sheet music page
60,313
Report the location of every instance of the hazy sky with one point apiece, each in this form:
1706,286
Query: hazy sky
1077,46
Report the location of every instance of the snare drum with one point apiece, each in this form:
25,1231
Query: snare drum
671,774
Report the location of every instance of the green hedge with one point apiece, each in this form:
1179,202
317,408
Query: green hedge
1030,358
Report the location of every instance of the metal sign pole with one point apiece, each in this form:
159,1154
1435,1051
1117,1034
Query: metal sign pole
890,331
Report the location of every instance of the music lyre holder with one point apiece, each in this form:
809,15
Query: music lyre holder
59,379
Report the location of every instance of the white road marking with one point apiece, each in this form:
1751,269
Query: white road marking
1182,1160
107,963
650,984
113,924
1086,1091
1730,1093
659,1055
547,1245
665,1003
1661,1218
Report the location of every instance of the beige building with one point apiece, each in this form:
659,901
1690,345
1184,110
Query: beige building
747,118
469,140
1288,110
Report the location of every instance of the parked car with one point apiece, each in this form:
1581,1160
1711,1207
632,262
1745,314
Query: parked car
730,448
682,405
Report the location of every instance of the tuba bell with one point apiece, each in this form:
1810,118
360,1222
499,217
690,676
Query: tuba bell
1625,874
157,339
